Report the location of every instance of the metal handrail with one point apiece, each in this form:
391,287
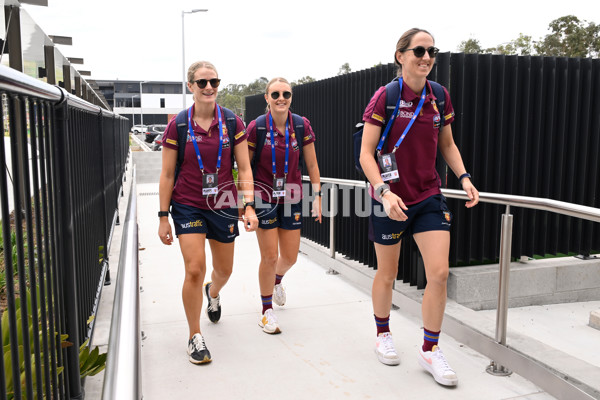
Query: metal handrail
123,365
536,203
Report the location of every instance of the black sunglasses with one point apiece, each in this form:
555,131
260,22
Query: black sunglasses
214,82
286,95
420,51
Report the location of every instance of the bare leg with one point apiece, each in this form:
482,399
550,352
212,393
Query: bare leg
194,257
222,257
269,253
289,244
383,283
434,247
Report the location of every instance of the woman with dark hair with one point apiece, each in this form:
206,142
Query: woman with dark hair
278,185
407,199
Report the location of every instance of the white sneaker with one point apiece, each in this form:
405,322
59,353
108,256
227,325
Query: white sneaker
385,350
269,323
279,295
435,363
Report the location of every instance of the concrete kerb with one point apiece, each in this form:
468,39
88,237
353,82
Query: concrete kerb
595,319
560,374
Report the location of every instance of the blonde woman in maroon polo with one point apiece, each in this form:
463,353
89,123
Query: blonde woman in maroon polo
406,194
278,188
203,199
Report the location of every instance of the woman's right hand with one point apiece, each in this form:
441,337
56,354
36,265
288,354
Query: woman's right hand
164,231
393,206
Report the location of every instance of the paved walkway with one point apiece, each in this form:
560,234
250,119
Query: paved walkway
325,350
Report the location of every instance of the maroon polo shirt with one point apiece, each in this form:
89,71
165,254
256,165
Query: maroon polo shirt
417,153
264,173
188,187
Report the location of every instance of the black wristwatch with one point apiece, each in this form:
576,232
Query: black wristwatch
379,191
251,204
318,193
163,214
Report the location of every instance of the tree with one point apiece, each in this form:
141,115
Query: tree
301,81
470,46
344,69
523,46
571,37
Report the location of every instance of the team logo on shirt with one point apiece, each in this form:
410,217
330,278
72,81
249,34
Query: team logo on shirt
225,140
405,104
231,228
437,121
435,107
297,216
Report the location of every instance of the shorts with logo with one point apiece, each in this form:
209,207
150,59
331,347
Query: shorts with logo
279,215
431,214
220,225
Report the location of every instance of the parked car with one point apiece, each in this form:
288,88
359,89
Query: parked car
157,144
153,131
137,129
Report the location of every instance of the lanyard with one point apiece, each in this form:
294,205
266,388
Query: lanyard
412,120
287,147
191,130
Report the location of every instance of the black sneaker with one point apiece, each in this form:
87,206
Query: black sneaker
197,350
213,308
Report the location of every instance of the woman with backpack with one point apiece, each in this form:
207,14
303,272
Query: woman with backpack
405,189
196,184
278,142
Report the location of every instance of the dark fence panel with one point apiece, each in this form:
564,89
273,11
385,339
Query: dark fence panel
525,126
56,192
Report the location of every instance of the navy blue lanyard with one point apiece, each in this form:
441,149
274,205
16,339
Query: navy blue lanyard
287,147
412,120
191,130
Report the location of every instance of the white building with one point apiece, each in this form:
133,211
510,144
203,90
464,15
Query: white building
160,100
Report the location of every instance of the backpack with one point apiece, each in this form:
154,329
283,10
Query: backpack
392,92
261,134
181,121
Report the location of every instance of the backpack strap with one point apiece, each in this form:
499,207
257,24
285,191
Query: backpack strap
298,122
182,133
231,124
440,99
261,134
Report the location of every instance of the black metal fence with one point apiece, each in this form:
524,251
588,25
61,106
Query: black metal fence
63,162
525,126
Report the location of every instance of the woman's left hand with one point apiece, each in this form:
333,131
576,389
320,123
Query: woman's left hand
316,209
250,219
473,194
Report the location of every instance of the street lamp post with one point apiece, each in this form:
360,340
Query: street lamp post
133,109
141,110
183,83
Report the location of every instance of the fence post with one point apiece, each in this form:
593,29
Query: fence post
332,214
504,275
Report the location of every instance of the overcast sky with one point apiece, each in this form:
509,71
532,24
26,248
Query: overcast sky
248,39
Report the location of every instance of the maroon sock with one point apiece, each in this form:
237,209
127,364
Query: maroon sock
278,279
383,324
430,339
267,302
